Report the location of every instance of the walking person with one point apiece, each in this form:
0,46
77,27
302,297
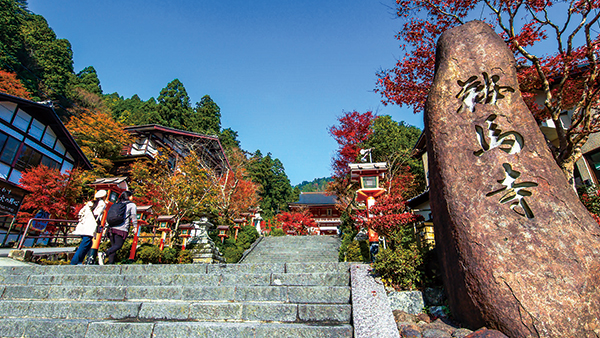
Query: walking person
89,217
124,214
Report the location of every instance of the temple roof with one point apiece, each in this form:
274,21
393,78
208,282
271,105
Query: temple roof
316,198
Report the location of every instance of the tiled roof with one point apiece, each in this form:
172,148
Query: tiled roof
316,198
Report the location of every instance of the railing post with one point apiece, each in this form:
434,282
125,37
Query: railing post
25,233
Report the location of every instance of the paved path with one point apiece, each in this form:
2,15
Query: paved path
295,249
5,261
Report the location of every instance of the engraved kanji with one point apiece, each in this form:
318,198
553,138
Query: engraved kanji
510,142
475,91
514,193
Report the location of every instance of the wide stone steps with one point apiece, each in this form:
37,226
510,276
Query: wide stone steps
111,329
295,249
194,300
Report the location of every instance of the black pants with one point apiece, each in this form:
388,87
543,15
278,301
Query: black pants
116,243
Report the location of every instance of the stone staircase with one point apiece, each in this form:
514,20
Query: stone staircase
270,299
295,249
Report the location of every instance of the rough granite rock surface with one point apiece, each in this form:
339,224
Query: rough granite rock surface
519,252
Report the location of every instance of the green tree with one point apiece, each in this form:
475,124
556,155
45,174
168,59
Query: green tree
50,59
228,138
11,44
87,79
132,111
174,108
316,185
392,142
205,118
275,188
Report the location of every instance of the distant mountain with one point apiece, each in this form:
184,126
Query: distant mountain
318,184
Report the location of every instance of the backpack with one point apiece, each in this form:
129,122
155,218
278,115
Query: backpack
116,214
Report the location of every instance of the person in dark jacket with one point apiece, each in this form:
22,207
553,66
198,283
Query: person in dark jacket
118,234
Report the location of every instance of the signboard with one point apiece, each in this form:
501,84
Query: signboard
11,197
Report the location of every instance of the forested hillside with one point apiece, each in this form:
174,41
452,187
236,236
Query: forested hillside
316,185
37,65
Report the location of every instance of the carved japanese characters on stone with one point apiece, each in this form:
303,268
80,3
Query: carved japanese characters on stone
474,91
510,142
514,193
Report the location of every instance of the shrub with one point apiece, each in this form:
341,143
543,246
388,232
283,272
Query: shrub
148,254
277,232
232,250
185,257
358,251
169,256
401,268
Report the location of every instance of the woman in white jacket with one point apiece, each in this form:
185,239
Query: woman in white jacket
89,216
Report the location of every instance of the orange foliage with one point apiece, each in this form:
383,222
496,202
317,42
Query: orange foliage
9,84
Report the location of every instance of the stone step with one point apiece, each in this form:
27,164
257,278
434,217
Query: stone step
201,279
239,293
180,311
295,249
135,269
80,328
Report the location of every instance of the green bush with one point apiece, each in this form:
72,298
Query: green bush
233,250
148,254
358,251
169,256
185,257
401,268
277,232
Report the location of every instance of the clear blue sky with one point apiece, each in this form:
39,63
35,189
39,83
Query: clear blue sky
281,71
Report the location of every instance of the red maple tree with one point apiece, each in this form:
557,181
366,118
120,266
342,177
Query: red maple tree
567,78
298,223
54,192
354,129
9,84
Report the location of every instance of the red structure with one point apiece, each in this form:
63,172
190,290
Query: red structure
165,224
322,207
186,232
223,232
143,212
238,225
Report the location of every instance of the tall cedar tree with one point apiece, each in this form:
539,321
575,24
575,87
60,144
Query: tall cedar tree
174,107
275,188
567,77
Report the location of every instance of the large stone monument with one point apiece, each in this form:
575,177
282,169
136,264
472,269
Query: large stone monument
520,253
